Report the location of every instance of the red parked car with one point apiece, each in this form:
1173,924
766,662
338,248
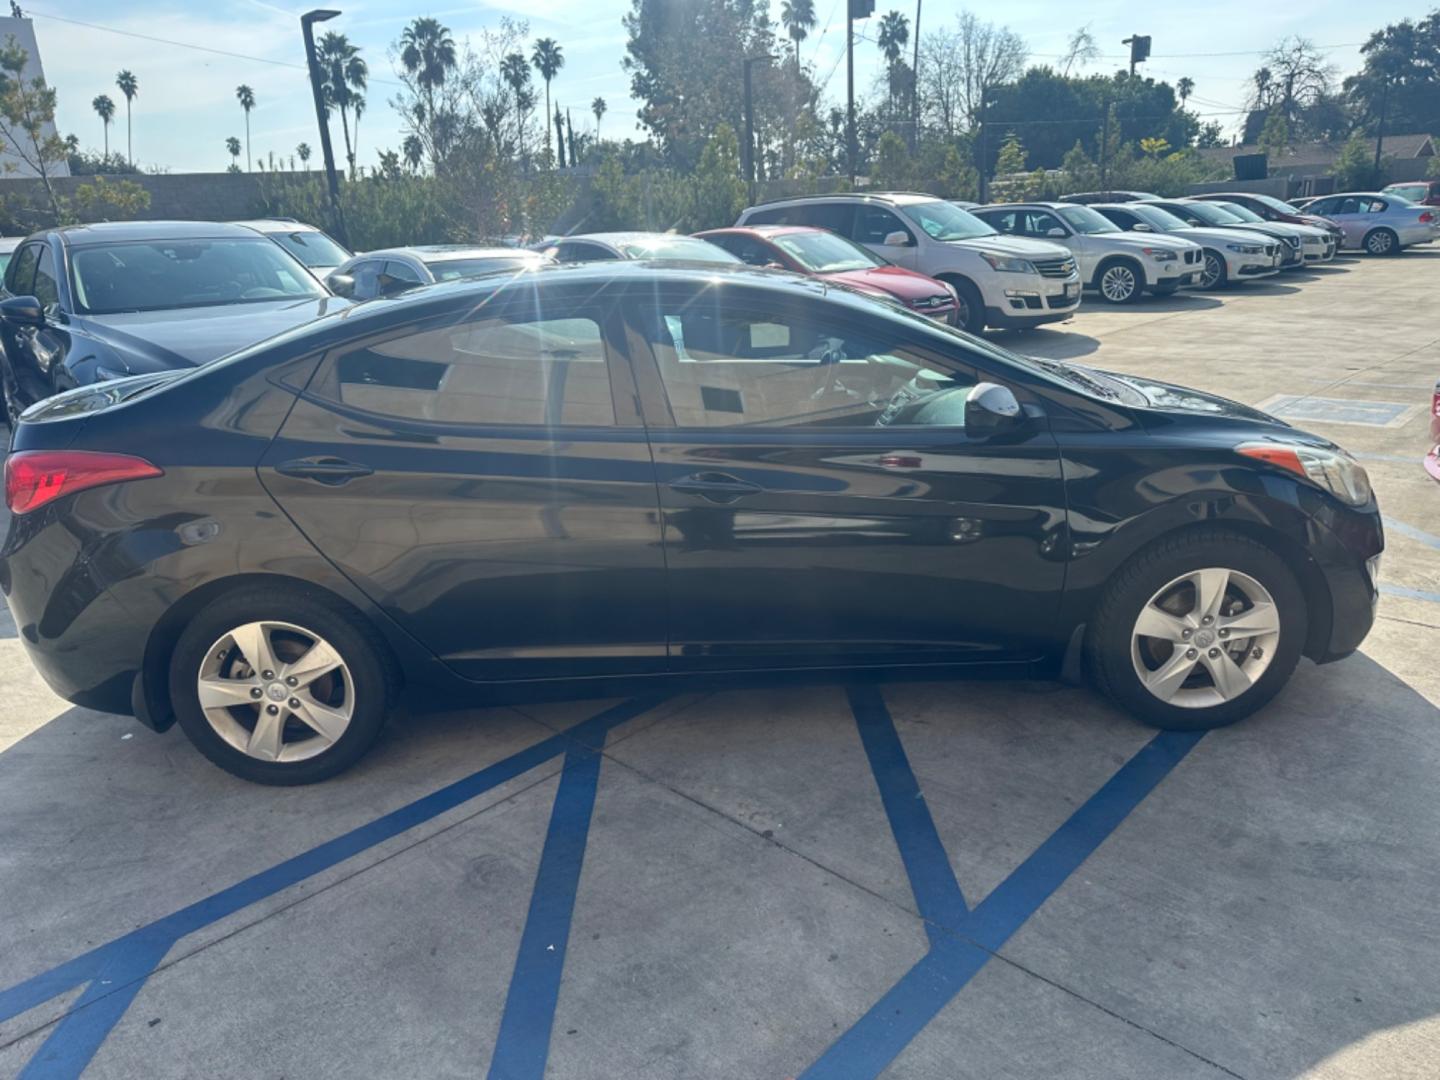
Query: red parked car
1420,192
821,253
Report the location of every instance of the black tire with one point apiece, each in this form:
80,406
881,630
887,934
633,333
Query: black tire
1130,270
1382,242
970,316
373,675
1108,657
1216,267
7,397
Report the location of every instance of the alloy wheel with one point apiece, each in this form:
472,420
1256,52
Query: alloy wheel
1205,638
276,691
962,313
1118,284
1210,276
1379,243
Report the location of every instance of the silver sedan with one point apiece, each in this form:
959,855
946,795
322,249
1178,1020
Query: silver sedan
1379,224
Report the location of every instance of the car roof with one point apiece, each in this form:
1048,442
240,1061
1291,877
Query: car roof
445,252
898,198
269,225
110,232
1041,204
628,237
762,230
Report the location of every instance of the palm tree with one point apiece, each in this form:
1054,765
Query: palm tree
130,87
105,109
598,107
303,153
246,97
427,53
1184,88
894,35
798,18
515,71
414,152
548,60
344,79
233,145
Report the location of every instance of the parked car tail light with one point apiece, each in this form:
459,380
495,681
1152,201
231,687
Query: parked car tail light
36,477
1334,470
1426,216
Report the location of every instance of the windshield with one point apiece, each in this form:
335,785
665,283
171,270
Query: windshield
311,248
160,275
1274,204
1409,192
1084,220
1157,218
1211,214
685,248
824,252
1241,212
450,269
946,221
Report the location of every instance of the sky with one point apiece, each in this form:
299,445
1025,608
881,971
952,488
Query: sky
186,106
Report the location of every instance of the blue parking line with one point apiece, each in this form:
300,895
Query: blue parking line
1394,525
523,1044
115,972
1410,594
868,1047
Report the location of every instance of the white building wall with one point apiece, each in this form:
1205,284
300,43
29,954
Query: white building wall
23,31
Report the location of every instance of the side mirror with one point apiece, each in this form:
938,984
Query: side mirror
1141,227
1057,232
991,408
22,311
341,284
898,238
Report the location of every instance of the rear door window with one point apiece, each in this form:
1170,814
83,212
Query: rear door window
874,223
45,288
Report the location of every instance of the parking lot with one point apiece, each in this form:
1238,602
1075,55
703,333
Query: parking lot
914,879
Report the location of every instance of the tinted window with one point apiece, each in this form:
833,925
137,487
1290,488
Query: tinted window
745,248
21,272
1123,218
833,216
367,278
312,248
520,369
583,253
161,275
788,365
45,289
874,223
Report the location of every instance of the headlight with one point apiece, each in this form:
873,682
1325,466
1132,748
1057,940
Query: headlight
1008,264
1334,470
1246,249
1161,254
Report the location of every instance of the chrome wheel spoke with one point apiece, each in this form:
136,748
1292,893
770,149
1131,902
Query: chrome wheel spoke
1168,677
1259,620
320,659
265,741
1157,623
1229,678
1209,592
218,693
327,722
253,641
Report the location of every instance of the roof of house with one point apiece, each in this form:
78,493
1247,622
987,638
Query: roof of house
1325,153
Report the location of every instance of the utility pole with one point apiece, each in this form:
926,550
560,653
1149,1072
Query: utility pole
984,149
1139,50
1380,130
307,22
854,9
915,86
749,148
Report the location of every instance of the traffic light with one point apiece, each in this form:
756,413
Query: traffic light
862,9
1139,48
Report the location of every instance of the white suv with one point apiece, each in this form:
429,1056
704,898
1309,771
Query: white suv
1120,266
1001,281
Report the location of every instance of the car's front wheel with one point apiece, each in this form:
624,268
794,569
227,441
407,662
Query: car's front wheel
969,307
1198,631
1119,282
279,687
1215,274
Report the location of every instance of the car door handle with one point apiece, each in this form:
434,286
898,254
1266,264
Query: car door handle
716,486
327,470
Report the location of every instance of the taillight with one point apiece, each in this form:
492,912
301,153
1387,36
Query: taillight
1427,217
36,477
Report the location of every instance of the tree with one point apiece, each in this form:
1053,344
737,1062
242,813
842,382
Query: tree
1154,149
1355,167
798,18
344,76
892,168
130,87
893,36
559,136
962,65
1012,156
1296,74
1080,51
427,56
1211,135
246,97
548,60
516,72
27,118
1275,137
105,109
1184,88
598,107
302,151
1401,76
719,193
232,144
413,152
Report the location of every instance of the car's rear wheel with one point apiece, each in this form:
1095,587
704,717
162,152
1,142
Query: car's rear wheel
1198,631
280,688
1381,242
970,307
1215,274
1119,282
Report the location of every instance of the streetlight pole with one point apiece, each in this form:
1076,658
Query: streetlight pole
750,126
850,151
307,23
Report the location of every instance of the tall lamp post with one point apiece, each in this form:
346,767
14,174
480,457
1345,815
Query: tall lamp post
307,23
750,126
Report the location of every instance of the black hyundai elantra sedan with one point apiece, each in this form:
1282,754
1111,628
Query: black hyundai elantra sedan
594,476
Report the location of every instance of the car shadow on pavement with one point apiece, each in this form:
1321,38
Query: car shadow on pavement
1265,288
1055,344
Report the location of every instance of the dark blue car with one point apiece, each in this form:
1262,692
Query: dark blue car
92,302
